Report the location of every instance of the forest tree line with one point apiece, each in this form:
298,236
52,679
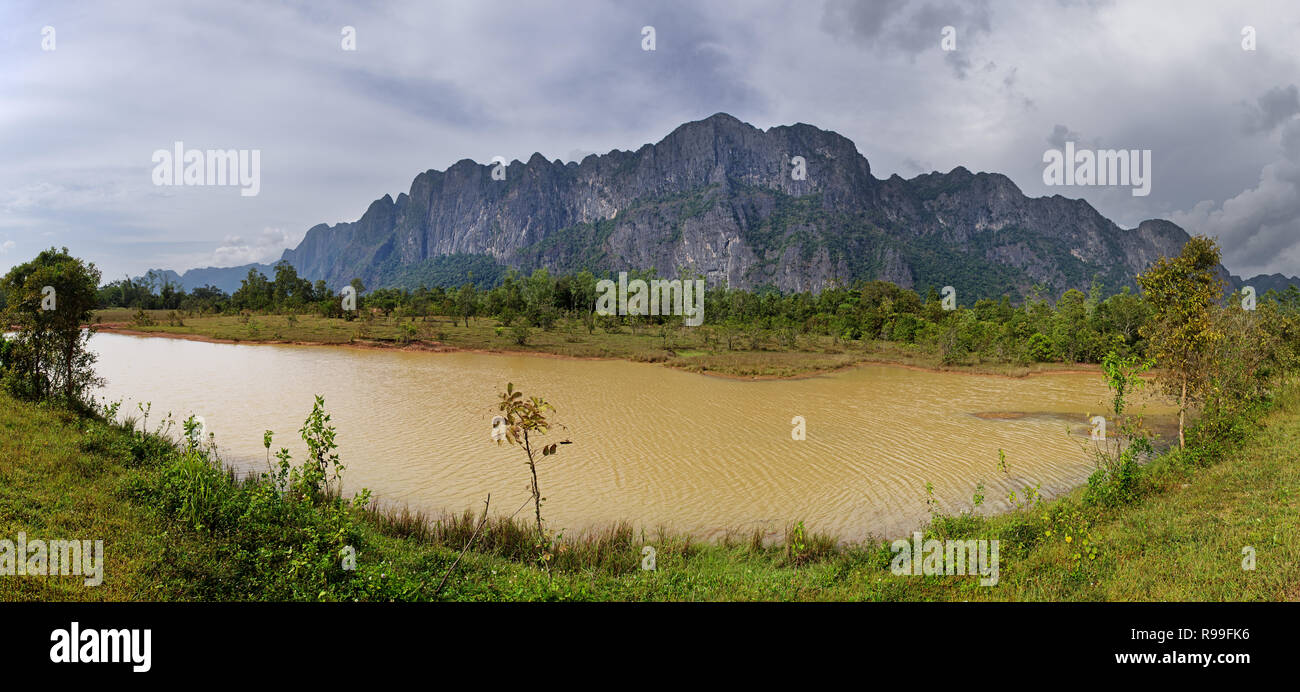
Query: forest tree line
1075,327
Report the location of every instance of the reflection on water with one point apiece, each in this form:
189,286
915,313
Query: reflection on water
651,445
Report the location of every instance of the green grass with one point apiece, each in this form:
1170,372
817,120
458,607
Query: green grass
63,475
56,484
702,350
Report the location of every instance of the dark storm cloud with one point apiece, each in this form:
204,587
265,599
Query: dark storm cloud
1260,226
1060,135
895,25
1272,109
862,20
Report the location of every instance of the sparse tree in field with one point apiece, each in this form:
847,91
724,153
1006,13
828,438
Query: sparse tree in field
466,302
520,334
1182,292
521,422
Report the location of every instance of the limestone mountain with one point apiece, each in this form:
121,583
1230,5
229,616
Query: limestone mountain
719,198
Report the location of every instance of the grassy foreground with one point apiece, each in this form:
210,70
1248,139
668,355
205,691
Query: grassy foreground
704,350
176,527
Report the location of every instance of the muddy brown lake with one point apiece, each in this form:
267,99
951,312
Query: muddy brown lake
651,445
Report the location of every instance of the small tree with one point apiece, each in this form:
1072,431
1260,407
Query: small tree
466,302
1123,377
1117,457
322,458
521,421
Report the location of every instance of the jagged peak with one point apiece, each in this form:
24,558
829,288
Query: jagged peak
380,206
717,121
721,118
1160,225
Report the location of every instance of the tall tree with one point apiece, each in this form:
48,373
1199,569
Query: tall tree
1182,292
49,299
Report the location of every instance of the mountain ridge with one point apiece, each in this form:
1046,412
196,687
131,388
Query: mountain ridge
225,278
716,197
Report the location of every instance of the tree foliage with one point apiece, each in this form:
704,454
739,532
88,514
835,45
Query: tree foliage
47,302
1181,332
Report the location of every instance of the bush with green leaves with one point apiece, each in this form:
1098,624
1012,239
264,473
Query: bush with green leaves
283,532
1119,456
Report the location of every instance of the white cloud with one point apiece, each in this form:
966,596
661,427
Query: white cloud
265,248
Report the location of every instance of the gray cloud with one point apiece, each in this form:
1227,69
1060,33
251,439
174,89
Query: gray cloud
1259,227
895,25
1271,109
863,20
435,100
1060,135
434,82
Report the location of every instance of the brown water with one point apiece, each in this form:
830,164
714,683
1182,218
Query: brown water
652,445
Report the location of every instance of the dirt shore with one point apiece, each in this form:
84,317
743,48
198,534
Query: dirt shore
438,347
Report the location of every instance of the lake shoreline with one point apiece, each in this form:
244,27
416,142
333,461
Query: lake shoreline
387,402
437,347
404,552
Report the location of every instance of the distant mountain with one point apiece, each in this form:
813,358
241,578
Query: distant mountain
224,278
717,198
1263,283
158,277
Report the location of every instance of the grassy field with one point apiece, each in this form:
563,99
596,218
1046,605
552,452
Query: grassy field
706,349
177,528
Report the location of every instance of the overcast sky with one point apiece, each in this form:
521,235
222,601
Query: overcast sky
431,83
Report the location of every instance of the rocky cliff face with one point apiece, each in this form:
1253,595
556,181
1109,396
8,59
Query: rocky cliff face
717,198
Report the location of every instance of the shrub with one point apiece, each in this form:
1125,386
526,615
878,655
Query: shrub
520,334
